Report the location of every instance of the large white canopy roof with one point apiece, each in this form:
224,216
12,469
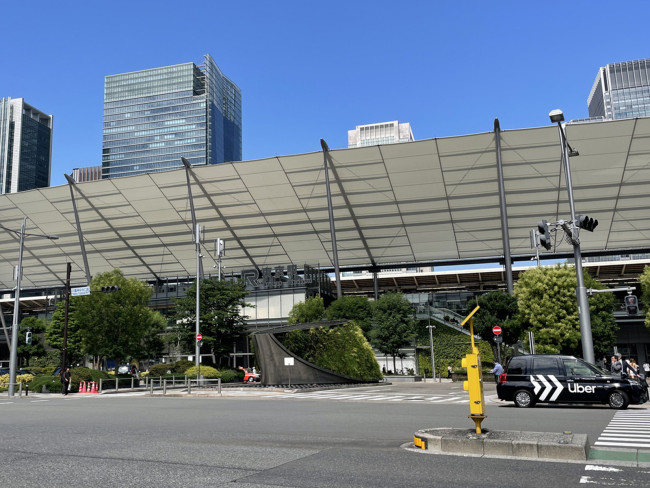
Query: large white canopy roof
422,201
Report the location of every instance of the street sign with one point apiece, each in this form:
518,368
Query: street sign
288,361
498,339
82,290
199,337
496,330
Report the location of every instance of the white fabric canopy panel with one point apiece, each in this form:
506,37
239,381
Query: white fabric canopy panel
422,201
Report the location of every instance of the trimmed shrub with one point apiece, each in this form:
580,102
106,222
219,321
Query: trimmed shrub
181,366
51,383
206,371
230,376
159,369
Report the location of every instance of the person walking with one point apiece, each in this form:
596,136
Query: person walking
65,381
497,371
617,365
646,370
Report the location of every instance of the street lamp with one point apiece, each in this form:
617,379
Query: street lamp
433,360
557,116
13,361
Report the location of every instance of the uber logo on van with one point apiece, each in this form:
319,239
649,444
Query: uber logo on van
581,389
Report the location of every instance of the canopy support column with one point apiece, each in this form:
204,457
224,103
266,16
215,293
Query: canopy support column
71,184
335,254
504,213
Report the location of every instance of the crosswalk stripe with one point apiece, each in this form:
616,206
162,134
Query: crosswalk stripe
626,429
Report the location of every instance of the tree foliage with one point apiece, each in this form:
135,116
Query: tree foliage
220,304
394,326
548,306
115,325
352,307
497,308
34,350
311,310
54,332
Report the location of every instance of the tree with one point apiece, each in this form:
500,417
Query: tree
115,325
54,332
548,306
311,310
497,308
221,324
35,349
352,307
394,326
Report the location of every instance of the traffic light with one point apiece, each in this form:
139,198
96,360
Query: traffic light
587,223
110,289
631,305
544,234
28,337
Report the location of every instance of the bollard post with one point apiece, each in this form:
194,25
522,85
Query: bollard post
117,384
132,383
219,385
20,389
165,386
101,384
189,387
26,389
151,387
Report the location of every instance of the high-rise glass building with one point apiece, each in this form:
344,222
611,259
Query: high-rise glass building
382,133
621,91
25,146
155,116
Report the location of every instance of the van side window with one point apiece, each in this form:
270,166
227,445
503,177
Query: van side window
574,367
546,366
517,366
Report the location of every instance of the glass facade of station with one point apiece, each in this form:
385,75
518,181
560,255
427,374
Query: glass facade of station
154,117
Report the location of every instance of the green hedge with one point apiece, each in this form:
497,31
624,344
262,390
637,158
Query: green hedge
206,371
51,383
159,369
449,347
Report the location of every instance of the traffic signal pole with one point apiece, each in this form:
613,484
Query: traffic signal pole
581,291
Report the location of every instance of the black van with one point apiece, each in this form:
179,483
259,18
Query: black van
534,378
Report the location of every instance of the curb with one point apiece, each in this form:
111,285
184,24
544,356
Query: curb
506,443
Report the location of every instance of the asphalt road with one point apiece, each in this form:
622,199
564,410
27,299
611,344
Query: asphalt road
252,439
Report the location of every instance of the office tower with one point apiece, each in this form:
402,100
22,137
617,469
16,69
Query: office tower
621,91
155,116
25,146
382,133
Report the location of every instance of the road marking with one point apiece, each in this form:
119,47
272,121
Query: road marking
35,401
6,403
627,429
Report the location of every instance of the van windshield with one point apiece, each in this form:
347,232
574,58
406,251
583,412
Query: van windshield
576,367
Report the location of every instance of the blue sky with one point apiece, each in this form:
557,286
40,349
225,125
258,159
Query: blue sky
312,70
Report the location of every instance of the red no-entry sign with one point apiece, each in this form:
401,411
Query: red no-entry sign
496,330
199,337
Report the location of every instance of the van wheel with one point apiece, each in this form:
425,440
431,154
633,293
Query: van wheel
618,400
524,399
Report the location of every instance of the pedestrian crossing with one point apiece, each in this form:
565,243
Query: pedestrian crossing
338,395
628,428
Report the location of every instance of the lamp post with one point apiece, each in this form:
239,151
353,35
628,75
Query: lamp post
13,361
433,360
557,116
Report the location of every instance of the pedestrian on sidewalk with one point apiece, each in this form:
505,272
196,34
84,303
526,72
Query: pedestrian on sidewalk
497,371
65,381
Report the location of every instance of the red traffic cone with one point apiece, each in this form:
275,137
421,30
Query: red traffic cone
82,387
93,388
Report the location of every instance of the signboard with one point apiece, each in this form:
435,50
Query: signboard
498,339
199,337
82,290
288,361
496,330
